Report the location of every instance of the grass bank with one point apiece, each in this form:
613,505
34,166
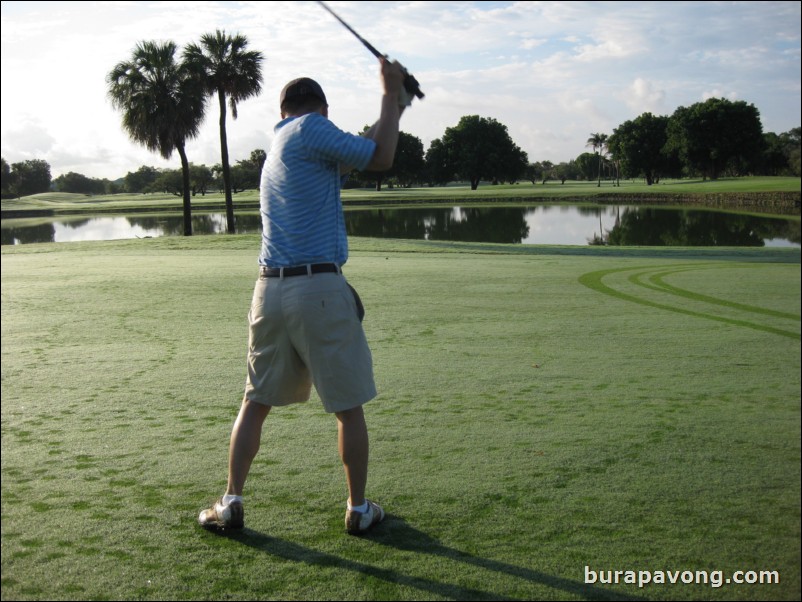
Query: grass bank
542,409
771,195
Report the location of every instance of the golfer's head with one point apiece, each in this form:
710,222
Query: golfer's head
301,96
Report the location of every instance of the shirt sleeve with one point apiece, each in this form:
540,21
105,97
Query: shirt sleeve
326,141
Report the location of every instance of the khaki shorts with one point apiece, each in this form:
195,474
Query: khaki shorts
305,330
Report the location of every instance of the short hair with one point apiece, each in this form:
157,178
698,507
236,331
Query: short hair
301,105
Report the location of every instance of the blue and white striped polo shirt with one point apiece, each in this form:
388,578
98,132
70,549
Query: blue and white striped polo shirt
302,217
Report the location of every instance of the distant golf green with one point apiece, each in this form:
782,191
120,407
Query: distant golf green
543,412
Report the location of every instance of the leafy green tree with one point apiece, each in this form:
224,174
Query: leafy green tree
258,158
546,170
5,179
200,178
29,177
566,171
141,179
531,173
162,103
170,181
773,161
638,144
363,179
586,165
780,156
715,135
439,167
245,175
408,165
791,147
231,72
513,164
80,184
476,149
597,143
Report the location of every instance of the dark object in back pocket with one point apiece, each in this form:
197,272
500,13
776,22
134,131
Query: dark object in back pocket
360,309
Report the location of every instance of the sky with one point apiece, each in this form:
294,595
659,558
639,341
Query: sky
552,72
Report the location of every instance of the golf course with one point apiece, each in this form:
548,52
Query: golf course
553,422
773,194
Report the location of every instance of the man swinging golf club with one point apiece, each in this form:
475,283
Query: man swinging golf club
304,322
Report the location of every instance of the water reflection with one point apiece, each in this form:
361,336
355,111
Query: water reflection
20,235
562,224
497,224
654,227
572,225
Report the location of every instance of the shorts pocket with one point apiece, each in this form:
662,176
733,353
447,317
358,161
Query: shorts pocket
360,309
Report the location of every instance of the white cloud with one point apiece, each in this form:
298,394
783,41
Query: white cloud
608,49
530,43
644,96
716,93
31,139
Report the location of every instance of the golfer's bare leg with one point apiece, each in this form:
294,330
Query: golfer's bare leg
245,438
352,436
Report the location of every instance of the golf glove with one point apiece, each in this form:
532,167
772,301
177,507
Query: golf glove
404,97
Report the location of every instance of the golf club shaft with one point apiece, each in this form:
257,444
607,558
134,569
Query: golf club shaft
367,44
410,83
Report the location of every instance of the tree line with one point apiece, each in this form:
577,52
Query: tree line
707,139
244,175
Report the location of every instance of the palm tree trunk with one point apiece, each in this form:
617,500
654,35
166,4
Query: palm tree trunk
599,184
226,168
185,178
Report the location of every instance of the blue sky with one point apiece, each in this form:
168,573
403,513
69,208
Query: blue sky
552,72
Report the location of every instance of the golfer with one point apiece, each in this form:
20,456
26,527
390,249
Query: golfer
305,319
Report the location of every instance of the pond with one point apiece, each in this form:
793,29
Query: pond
543,225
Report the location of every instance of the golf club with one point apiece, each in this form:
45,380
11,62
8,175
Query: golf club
410,83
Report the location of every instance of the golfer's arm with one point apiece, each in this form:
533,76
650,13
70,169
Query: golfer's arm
385,134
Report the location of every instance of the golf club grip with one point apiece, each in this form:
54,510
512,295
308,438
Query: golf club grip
412,86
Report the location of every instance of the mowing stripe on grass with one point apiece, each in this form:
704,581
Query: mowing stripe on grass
593,280
657,279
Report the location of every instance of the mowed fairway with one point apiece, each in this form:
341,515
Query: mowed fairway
541,410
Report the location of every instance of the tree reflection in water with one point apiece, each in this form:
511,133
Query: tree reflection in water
544,224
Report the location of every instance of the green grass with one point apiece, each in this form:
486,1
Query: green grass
63,203
541,409
574,190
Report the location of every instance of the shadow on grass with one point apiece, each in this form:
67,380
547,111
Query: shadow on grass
396,533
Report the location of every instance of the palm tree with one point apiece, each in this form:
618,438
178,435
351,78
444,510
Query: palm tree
597,141
162,103
228,70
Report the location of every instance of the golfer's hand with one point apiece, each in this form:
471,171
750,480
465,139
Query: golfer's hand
392,75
